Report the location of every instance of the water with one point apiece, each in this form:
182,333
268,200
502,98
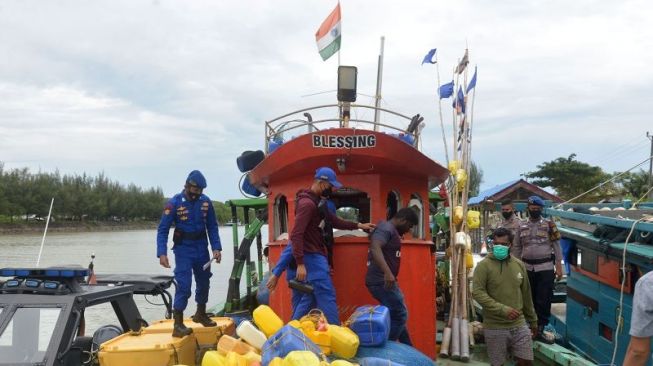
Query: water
118,252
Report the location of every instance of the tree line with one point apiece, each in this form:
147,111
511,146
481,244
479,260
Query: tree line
26,196
570,178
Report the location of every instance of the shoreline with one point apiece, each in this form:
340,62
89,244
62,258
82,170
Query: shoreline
76,227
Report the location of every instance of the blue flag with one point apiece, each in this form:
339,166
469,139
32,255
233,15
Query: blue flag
429,57
472,83
446,90
459,102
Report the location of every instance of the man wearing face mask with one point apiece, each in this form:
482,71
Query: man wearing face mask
194,218
510,221
501,287
538,247
309,248
383,260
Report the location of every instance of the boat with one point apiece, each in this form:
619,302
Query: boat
42,319
372,165
608,247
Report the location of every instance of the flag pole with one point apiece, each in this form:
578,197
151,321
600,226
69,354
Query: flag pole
444,138
379,79
340,48
465,150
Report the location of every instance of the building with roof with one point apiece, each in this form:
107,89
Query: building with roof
489,201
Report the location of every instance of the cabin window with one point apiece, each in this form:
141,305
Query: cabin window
588,261
392,204
28,334
416,203
353,205
280,216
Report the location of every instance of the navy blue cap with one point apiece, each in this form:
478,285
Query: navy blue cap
327,175
535,200
195,178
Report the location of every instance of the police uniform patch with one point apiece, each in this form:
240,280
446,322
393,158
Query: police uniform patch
166,209
554,234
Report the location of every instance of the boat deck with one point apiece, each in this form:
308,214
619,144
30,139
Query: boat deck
545,354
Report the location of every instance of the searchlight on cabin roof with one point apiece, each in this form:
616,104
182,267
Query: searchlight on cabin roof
54,272
347,76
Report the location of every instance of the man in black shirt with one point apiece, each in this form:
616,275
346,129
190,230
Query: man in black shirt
383,259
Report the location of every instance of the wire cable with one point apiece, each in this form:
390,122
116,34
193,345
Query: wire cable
643,197
621,292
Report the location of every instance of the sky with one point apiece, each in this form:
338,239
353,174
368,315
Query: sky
146,91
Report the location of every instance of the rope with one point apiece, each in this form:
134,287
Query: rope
621,294
604,183
307,347
643,197
358,313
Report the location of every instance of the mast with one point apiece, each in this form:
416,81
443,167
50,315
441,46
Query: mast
379,77
650,168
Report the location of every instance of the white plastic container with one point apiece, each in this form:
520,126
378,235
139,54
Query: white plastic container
250,334
461,240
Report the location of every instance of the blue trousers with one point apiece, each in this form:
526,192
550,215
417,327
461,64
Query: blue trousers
324,294
188,263
393,299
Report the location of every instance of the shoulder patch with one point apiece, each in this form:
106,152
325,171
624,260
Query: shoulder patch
554,234
168,207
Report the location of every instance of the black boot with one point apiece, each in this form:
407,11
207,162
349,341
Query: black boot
201,317
180,330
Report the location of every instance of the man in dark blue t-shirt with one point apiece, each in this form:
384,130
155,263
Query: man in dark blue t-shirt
383,260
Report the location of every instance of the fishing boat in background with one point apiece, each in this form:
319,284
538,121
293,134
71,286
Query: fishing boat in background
608,247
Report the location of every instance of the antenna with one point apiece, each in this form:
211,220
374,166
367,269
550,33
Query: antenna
38,260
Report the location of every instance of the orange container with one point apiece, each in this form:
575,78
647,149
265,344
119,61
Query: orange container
228,344
155,349
206,336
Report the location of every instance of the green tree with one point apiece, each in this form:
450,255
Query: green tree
570,177
15,191
3,197
634,184
475,179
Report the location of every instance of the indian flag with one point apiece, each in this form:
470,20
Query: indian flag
328,36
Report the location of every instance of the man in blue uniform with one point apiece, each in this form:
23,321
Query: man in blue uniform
194,218
309,248
286,262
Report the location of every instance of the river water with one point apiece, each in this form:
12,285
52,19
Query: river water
117,252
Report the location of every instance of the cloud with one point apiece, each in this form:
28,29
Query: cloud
149,90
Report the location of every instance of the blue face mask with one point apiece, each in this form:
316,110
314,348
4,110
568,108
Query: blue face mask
500,252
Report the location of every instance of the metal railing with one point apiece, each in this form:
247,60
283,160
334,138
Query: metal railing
275,128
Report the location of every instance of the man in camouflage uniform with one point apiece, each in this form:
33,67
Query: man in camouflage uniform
538,247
